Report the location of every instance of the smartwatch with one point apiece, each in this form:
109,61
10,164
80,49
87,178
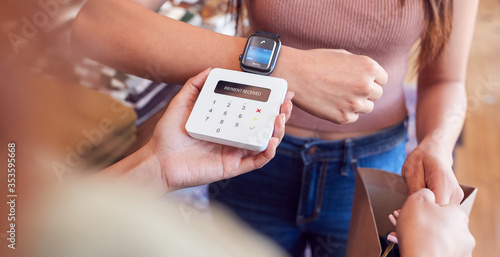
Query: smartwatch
260,53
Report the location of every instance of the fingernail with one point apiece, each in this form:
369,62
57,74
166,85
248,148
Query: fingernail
277,142
392,238
283,118
392,219
396,213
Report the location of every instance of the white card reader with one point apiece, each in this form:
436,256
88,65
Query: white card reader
237,109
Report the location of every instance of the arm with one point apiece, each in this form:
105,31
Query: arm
425,229
441,108
152,5
173,160
133,39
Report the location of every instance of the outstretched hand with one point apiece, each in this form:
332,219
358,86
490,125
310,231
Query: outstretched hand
186,161
425,228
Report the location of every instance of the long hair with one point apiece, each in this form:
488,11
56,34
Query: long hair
438,20
437,30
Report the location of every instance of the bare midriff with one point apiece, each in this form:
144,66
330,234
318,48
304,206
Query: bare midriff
326,135
306,133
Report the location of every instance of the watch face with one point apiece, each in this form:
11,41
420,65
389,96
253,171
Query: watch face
260,52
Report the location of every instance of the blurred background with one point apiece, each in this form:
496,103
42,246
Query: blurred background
71,116
477,159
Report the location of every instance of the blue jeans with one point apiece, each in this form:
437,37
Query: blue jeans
304,195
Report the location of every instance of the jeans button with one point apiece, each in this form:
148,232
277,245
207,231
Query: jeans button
312,150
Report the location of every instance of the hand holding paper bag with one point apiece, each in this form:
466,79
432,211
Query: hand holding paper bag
425,228
433,228
431,167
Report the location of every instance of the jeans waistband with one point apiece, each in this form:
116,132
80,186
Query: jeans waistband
312,149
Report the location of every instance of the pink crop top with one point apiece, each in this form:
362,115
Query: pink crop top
381,29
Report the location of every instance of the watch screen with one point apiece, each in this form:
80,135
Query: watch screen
260,52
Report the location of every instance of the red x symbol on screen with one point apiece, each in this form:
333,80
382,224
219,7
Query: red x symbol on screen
258,110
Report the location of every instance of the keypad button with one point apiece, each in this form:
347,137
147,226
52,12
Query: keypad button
226,117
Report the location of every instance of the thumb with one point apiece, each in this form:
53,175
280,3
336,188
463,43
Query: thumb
191,89
414,181
198,80
423,194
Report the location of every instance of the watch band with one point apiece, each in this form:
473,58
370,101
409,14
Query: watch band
268,33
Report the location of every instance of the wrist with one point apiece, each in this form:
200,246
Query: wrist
438,137
285,67
437,149
415,252
431,144
157,168
141,169
413,245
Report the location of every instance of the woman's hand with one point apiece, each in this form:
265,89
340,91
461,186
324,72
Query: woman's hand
186,161
430,166
332,84
425,228
173,160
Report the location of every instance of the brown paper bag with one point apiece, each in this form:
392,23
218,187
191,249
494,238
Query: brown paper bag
377,194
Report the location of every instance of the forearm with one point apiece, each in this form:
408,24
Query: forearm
330,84
442,100
135,40
153,5
441,110
140,169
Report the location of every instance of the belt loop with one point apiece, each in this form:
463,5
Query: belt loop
348,158
308,150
